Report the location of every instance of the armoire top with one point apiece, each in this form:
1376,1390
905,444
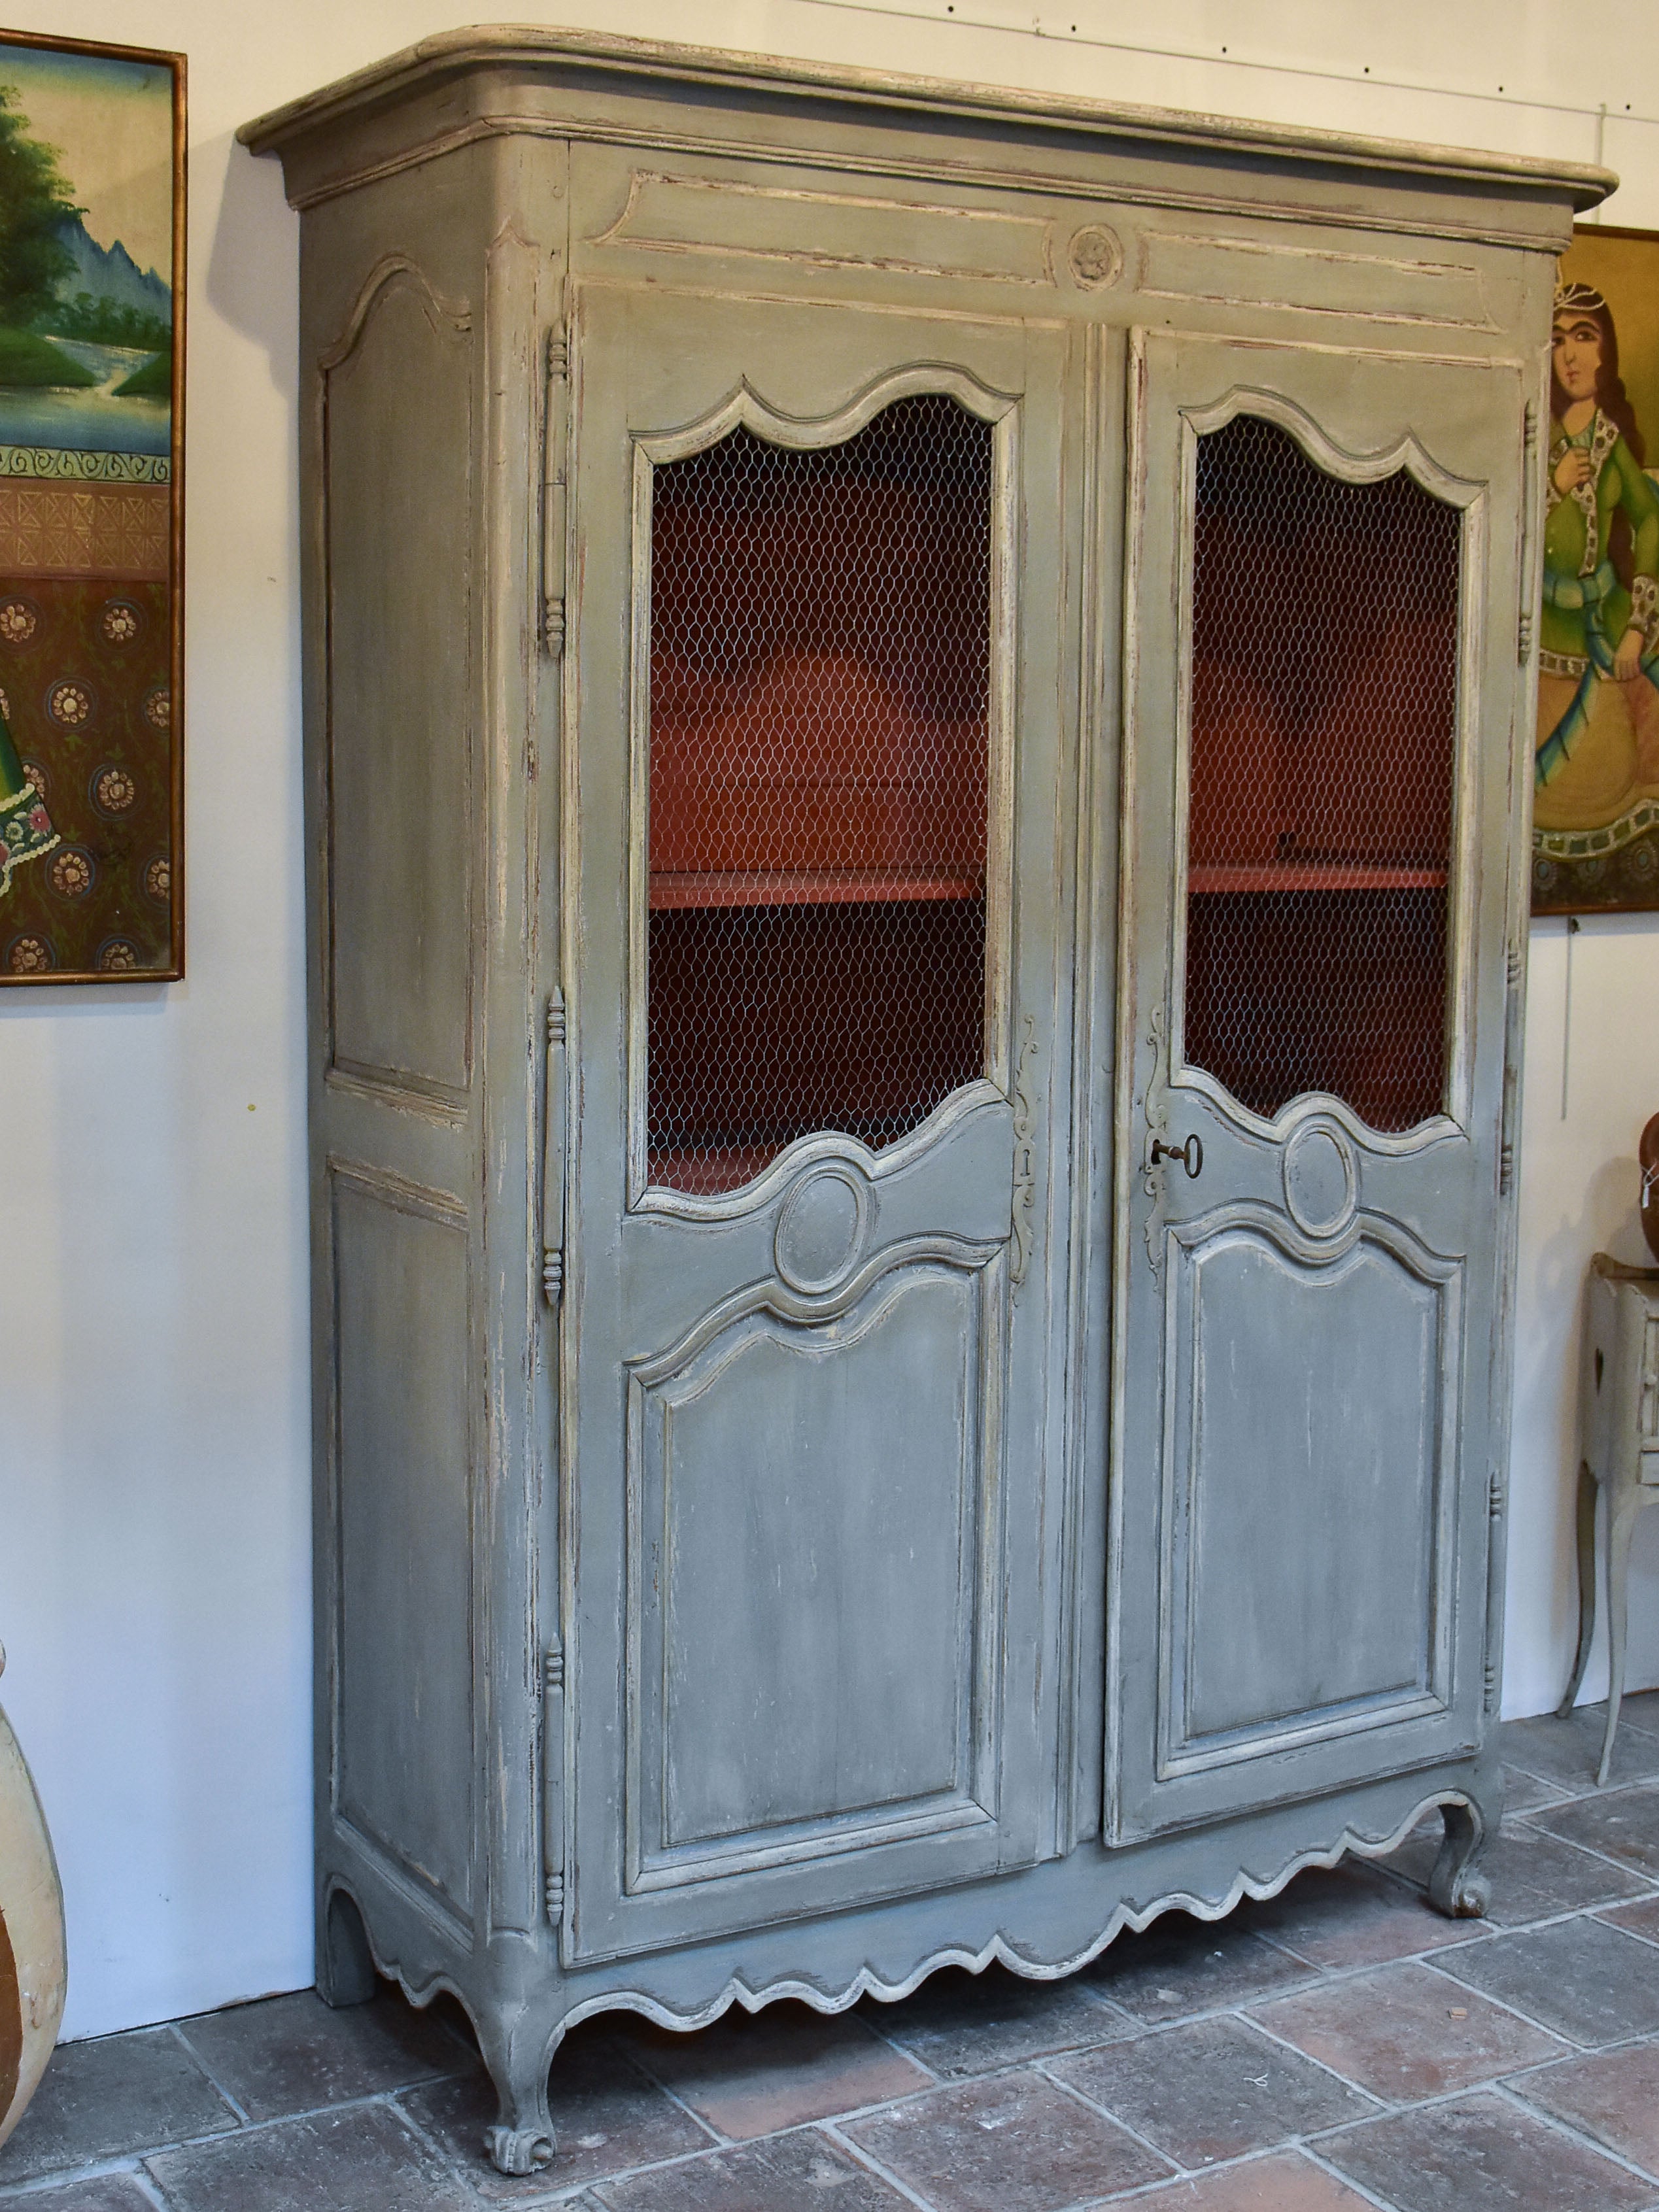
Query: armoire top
487,81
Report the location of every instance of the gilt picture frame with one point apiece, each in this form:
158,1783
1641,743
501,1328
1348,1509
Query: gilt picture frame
92,288
1595,772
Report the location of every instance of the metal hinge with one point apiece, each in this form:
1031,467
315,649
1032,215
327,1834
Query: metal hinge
555,438
553,1779
1510,1110
1024,1155
1529,495
553,1131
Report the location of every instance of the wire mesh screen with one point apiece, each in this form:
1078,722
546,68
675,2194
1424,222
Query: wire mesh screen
1324,711
820,684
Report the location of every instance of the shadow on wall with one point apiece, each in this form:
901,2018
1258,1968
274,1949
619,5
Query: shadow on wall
257,233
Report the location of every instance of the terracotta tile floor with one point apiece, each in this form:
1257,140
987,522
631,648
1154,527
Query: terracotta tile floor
1334,2047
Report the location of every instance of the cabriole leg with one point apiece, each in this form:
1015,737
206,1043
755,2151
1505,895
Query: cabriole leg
1458,1886
1586,1584
1621,1525
521,2140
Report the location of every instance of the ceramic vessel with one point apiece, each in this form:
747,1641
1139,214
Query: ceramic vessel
1647,1155
32,1958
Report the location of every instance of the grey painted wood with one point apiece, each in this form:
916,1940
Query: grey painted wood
403,1478
1318,1510
398,399
842,1693
963,1550
661,1288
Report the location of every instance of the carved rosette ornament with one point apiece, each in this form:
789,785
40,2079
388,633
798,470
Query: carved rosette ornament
1095,256
32,1958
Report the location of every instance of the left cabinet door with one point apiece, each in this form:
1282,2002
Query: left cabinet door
802,1365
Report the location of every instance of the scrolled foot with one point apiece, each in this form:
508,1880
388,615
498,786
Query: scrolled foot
1459,1886
519,2150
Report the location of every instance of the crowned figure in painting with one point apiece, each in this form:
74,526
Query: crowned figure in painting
1597,762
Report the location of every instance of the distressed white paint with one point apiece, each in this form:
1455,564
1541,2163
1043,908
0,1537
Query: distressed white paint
153,1485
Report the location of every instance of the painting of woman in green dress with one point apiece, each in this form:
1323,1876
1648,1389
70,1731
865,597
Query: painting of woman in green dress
1595,799
26,831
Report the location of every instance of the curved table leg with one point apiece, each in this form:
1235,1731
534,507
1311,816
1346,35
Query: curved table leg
1586,1487
1621,1522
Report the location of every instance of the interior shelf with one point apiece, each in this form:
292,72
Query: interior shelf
1311,875
679,888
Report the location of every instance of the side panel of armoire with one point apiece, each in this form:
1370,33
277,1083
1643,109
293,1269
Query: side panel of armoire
424,293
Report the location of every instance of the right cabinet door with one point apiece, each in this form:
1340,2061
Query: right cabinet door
1321,704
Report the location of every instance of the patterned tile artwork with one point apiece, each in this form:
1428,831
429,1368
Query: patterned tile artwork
89,634
85,690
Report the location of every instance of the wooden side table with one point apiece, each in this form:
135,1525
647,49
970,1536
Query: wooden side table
1619,1440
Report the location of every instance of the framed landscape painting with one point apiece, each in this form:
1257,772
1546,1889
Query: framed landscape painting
91,575
1595,772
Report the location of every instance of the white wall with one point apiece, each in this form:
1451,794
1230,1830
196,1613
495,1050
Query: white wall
152,1421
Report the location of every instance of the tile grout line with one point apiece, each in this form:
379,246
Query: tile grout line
122,2167
1533,1823
1082,2097
1652,1942
176,2030
719,2141
1583,2140
1495,2086
1574,2047
1571,2048
1384,2104
441,2151
132,2159
1362,2189
868,2160
148,2184
1245,2020
1593,1851
1306,2142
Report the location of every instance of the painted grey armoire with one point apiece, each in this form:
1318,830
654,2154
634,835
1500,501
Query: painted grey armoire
918,722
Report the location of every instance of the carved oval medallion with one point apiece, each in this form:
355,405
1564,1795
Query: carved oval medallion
1095,256
1322,1179
823,1227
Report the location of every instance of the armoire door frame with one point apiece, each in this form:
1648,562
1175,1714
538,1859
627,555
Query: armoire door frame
621,1893
1458,426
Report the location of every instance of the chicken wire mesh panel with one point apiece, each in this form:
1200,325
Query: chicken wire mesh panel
820,688
1324,715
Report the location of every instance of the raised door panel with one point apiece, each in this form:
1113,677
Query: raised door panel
1308,1560
399,1483
398,440
807,1402
835,1706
